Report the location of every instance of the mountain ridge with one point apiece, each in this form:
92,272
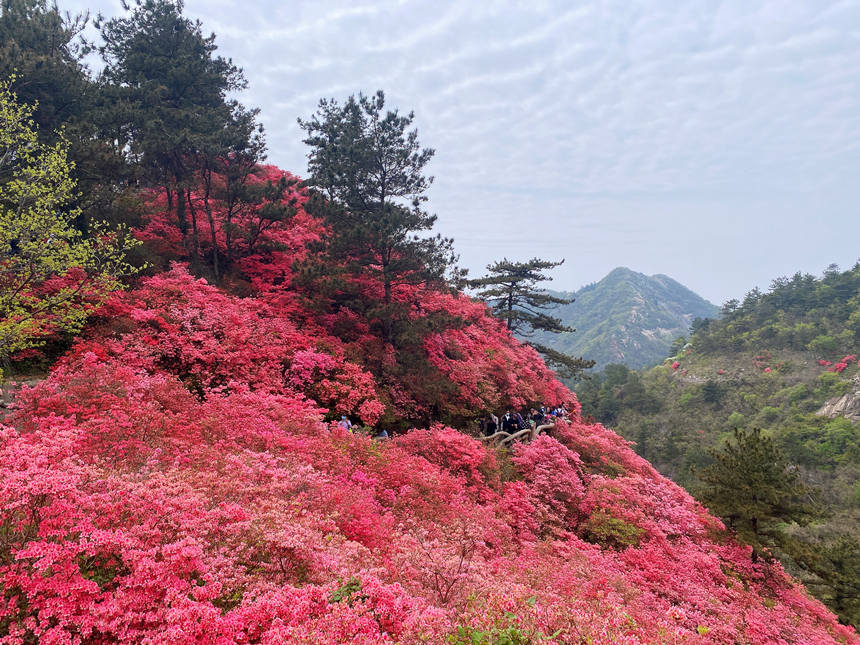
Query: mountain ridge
627,317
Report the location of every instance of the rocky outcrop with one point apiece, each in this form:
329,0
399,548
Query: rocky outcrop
847,406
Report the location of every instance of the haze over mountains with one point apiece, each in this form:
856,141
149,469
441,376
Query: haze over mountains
627,317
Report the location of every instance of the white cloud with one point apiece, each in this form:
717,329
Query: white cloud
617,130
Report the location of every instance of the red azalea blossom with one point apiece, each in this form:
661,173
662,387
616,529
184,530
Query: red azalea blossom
176,479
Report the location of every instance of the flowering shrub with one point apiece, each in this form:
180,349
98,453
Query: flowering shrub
553,474
174,480
133,510
842,365
457,453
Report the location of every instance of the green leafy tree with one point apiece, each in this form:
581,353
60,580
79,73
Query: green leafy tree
752,486
368,165
43,48
835,565
510,288
50,276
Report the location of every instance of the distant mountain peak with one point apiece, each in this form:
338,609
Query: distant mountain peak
628,317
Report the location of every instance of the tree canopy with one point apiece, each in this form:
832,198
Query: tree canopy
172,110
368,164
752,485
510,288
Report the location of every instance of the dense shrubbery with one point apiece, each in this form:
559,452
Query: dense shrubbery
174,479
133,510
800,313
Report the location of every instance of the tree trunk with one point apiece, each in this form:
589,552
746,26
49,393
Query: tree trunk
194,248
208,208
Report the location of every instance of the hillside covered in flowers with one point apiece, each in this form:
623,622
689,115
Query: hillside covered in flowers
178,478
253,405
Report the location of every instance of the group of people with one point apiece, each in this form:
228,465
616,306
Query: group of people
510,422
513,421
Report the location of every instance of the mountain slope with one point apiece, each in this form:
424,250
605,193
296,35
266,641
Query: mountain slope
785,361
627,317
178,479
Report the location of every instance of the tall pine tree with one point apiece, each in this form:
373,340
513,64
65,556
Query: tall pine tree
43,48
369,166
171,107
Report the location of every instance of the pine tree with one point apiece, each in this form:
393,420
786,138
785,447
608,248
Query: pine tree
170,102
44,49
369,166
38,45
754,488
511,290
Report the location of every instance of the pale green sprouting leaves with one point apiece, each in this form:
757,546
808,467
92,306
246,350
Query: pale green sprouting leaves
51,276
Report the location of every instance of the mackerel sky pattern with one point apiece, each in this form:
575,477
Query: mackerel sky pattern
716,142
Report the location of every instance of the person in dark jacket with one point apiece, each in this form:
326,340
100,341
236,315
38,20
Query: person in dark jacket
521,424
491,425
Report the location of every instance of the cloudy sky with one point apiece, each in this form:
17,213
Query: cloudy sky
716,142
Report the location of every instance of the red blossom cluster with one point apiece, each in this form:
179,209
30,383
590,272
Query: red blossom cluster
676,365
134,511
841,366
762,361
174,481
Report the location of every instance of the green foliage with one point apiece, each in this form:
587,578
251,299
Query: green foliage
492,636
38,241
736,420
505,632
102,569
677,346
369,166
713,392
835,563
768,414
823,345
614,390
610,532
830,385
38,45
42,47
347,593
798,313
687,399
755,489
168,102
510,288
